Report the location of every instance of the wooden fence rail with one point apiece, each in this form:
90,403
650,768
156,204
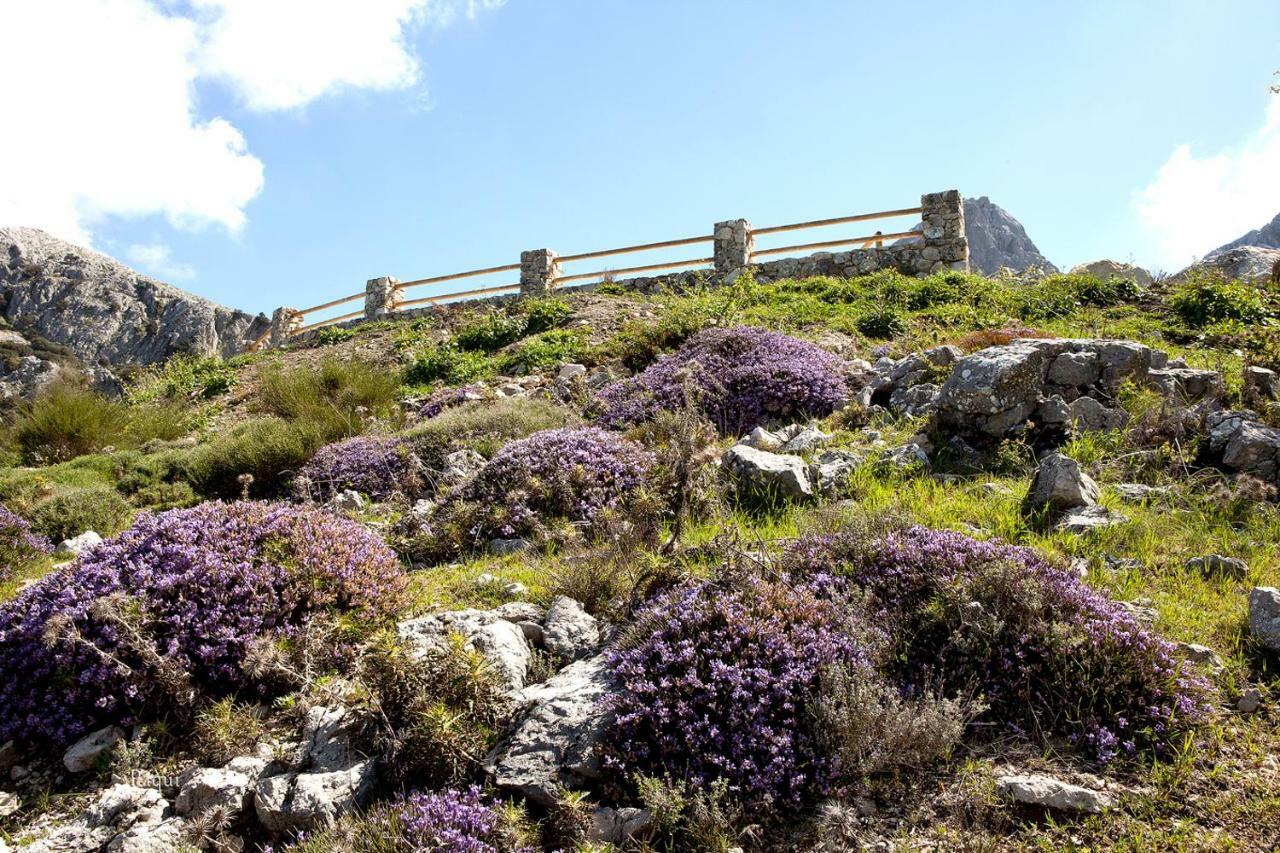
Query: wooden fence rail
543,270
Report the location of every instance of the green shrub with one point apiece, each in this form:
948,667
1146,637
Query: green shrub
549,349
490,333
544,314
446,363
484,426
1105,292
68,420
885,322
332,335
267,449
332,397
438,713
942,289
185,378
1209,297
70,513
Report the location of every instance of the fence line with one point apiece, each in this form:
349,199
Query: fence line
733,242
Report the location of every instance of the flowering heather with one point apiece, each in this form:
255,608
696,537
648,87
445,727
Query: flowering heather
741,377
452,822
447,398
572,473
715,684
375,466
19,547
190,588
1050,655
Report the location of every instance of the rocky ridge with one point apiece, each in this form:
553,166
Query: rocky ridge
103,311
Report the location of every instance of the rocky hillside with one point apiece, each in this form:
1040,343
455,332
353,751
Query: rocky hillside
997,240
823,564
103,311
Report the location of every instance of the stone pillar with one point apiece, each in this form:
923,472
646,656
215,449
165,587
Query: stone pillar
733,245
285,323
945,244
381,297
539,268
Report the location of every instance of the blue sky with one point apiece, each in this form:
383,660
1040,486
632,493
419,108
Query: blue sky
454,133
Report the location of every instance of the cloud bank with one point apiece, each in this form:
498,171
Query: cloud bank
1196,203
102,113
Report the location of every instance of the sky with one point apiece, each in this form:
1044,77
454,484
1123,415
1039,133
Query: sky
282,152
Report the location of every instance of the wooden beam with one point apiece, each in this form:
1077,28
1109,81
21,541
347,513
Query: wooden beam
839,220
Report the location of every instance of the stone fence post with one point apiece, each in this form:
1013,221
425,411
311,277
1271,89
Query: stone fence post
539,268
382,296
285,323
944,238
733,245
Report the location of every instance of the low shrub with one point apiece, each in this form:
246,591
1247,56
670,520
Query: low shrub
715,685
983,338
437,713
1105,292
541,315
19,547
571,474
268,451
1206,298
1050,656
161,616
376,466
548,350
68,420
330,335
739,377
490,333
185,378
483,426
447,398
449,364
69,513
885,322
332,397
225,729
454,821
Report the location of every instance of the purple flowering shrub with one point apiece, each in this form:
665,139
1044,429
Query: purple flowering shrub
183,591
1050,656
740,377
447,398
19,547
372,465
453,822
571,473
716,683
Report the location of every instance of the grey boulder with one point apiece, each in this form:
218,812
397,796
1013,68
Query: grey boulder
1037,789
84,753
769,474
555,743
1060,485
1264,616
568,630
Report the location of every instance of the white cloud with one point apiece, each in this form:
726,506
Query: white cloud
102,117
1196,203
100,121
157,259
